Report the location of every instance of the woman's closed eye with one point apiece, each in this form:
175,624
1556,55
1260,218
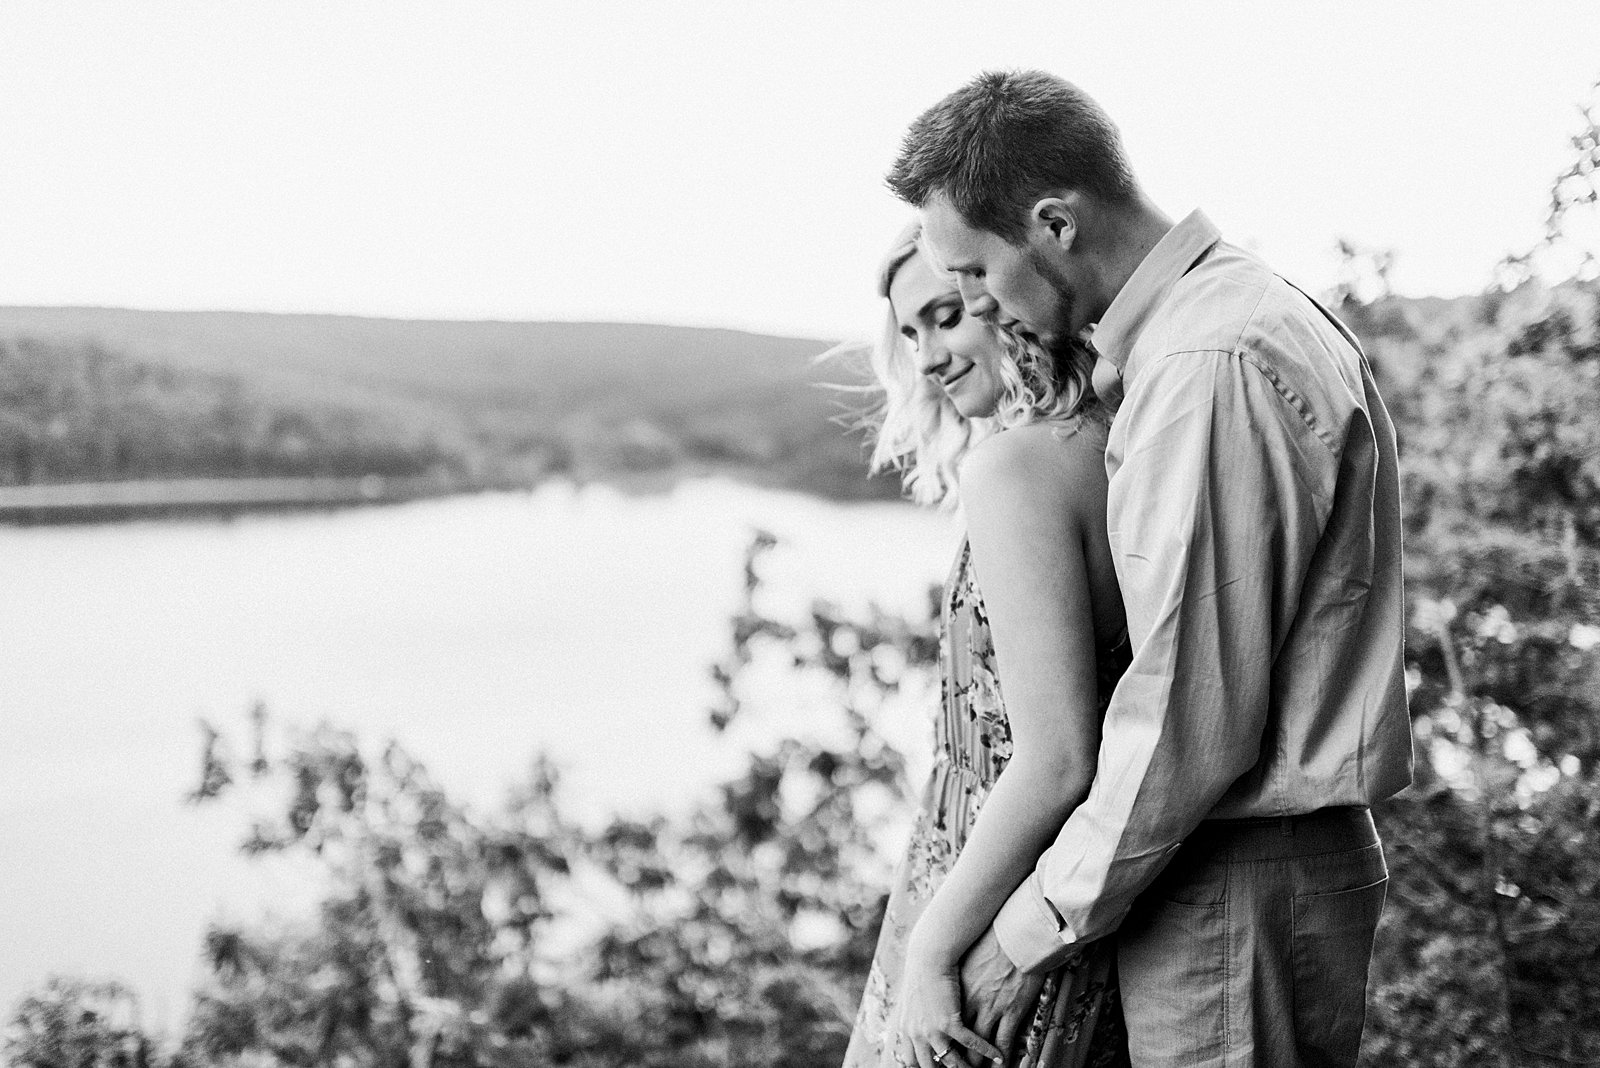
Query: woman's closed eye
950,319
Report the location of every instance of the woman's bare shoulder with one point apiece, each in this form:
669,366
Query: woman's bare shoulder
1041,461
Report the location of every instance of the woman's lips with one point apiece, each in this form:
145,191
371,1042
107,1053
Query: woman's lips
958,376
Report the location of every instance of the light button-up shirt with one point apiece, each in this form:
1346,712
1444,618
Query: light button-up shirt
1254,518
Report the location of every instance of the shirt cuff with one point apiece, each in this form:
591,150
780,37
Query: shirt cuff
1031,931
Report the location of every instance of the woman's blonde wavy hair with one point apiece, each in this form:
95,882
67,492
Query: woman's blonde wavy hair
917,431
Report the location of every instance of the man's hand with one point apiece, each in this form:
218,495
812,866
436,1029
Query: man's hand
997,998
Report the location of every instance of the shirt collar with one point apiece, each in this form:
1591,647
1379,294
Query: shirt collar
1180,249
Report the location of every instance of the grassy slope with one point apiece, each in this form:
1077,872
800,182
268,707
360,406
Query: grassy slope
690,395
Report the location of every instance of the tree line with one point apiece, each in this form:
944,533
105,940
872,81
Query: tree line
79,410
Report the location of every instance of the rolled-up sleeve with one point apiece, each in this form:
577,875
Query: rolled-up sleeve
1219,490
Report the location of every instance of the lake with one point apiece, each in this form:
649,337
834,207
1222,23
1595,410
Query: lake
475,630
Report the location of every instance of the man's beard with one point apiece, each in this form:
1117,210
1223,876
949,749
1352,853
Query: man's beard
1060,329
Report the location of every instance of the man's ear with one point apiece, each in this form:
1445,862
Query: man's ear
1057,216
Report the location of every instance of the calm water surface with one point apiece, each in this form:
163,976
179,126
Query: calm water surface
475,630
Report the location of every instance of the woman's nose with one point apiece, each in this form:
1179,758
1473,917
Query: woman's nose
932,358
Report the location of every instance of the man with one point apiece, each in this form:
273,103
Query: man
1254,517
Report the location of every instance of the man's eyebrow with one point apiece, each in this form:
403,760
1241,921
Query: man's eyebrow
939,263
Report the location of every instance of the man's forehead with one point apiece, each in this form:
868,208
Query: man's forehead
950,240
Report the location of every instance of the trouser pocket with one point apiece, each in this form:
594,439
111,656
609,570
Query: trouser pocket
1332,946
1172,962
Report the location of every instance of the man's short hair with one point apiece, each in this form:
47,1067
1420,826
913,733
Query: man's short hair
1004,139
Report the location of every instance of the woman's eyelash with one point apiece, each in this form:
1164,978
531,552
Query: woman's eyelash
951,320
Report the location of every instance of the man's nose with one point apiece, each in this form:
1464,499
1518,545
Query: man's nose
975,298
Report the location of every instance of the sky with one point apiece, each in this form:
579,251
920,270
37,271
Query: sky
715,163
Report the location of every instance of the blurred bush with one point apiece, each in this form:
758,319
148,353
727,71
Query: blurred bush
739,933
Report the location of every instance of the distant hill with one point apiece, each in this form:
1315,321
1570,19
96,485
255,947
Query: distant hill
90,393
548,366
93,394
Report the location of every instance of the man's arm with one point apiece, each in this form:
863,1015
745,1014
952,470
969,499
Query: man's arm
1214,513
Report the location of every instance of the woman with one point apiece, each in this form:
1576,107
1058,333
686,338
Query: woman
1031,600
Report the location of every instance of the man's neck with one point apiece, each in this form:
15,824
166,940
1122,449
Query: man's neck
1132,233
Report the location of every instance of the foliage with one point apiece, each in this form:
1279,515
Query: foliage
1492,931
73,412
739,933
424,950
753,922
1493,925
1363,277
77,1023
1571,243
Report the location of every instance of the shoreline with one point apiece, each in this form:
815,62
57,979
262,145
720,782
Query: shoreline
89,502
63,503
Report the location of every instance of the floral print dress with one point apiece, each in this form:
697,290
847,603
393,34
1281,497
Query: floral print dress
1077,1021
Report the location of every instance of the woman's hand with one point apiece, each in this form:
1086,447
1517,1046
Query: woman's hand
927,1020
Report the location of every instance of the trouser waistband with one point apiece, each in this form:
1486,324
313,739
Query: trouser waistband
1327,830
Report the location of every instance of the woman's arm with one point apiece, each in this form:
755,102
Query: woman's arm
1028,500
1031,503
